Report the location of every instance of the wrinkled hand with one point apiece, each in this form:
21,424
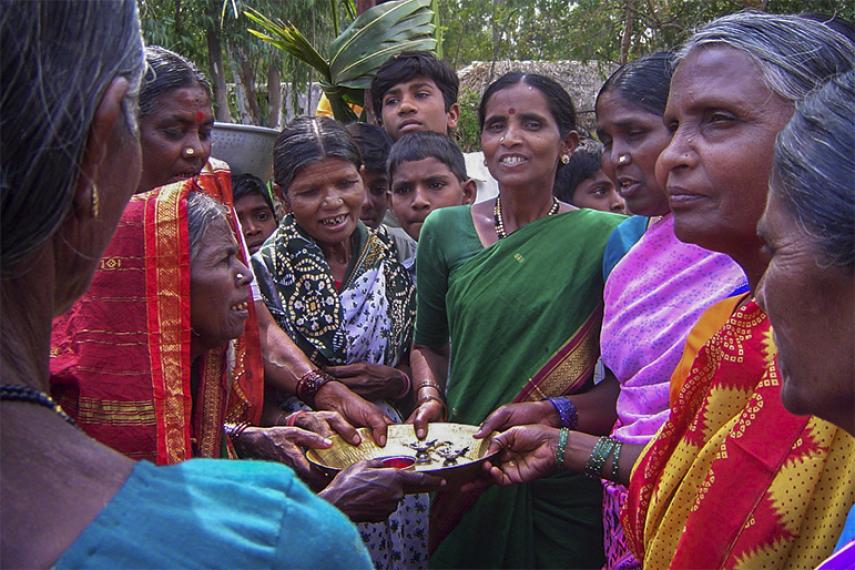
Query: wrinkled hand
429,411
327,423
526,453
367,492
520,414
359,412
282,444
371,381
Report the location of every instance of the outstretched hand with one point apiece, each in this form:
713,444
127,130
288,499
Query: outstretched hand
368,492
284,445
525,453
359,412
327,423
519,414
429,411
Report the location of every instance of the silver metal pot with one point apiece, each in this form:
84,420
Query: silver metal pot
247,148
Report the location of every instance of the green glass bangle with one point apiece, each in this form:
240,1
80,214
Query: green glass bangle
563,434
616,460
599,456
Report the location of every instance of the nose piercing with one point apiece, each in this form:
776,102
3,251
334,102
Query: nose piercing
189,151
240,277
502,139
623,158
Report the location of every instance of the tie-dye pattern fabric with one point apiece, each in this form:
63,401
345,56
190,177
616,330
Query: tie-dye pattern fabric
733,480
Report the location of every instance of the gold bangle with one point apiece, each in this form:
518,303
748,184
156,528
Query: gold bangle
429,398
428,384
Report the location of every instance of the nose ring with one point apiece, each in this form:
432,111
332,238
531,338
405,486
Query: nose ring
502,139
189,151
623,158
240,277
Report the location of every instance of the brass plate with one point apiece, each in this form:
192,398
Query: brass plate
342,454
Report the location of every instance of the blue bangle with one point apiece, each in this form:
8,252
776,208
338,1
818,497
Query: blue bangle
566,412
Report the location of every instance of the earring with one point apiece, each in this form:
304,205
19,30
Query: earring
565,158
96,202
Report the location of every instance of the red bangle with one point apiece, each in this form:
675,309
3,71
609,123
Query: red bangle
309,384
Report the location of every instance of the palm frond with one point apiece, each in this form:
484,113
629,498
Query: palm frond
356,53
286,36
378,34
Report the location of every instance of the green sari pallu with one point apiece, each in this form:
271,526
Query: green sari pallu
524,319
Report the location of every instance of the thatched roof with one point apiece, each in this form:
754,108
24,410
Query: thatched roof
582,79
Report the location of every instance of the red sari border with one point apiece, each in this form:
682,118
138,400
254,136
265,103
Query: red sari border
167,276
576,358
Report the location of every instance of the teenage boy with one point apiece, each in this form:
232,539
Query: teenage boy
426,172
415,92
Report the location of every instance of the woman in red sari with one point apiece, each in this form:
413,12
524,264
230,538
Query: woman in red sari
731,478
127,327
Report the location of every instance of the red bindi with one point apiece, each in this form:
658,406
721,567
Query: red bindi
512,111
200,116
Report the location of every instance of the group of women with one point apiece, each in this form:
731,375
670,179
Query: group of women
552,325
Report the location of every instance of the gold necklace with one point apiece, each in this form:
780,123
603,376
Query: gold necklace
500,223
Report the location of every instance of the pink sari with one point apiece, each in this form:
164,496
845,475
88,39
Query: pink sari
652,298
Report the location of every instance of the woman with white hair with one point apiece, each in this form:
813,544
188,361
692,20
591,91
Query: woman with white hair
732,478
69,81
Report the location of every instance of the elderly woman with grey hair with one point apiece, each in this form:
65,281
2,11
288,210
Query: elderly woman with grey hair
70,162
732,478
808,290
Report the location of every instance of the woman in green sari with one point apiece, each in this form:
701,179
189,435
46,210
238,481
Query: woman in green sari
512,290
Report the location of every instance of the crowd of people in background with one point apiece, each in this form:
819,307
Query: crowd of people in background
653,330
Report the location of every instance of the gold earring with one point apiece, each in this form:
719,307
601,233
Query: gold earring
565,158
96,203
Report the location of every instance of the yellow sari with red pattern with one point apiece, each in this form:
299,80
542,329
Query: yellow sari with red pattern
120,357
732,479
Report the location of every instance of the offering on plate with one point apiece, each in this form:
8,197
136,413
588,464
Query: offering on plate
398,462
449,451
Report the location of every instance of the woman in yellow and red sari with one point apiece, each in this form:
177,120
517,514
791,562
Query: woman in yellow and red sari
732,478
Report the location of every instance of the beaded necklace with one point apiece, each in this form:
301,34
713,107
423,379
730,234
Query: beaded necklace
21,393
500,223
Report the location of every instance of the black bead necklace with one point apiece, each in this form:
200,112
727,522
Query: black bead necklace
500,223
21,393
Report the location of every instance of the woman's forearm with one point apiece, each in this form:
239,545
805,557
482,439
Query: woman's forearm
580,447
429,365
284,362
596,408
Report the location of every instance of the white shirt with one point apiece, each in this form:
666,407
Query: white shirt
486,185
